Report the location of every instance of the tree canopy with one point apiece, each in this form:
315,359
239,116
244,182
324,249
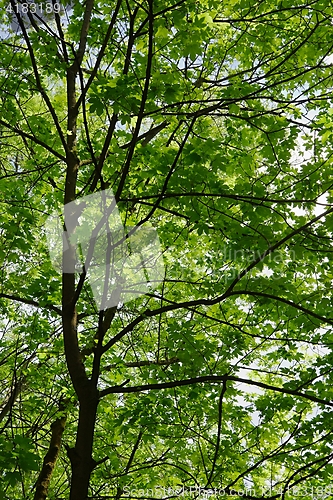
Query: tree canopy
209,124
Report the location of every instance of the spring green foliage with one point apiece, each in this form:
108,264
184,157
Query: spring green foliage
237,180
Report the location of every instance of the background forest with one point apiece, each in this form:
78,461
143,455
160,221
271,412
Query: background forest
212,124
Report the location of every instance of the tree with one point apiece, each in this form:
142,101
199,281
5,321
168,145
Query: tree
212,123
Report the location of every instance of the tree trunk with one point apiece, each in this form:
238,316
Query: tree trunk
81,456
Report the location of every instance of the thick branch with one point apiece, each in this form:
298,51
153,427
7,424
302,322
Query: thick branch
272,248
219,429
72,351
143,102
139,364
12,398
32,138
285,301
238,197
39,85
213,379
100,54
44,478
30,302
84,32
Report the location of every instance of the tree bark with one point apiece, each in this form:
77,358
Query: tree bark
12,398
44,478
81,455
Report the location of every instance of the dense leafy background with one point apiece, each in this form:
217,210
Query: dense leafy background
236,181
